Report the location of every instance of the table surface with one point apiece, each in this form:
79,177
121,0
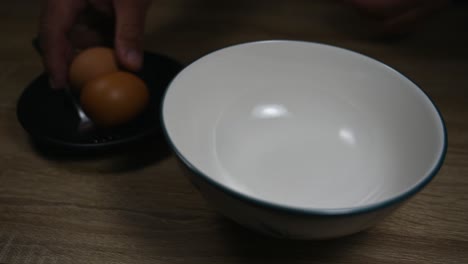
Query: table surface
137,207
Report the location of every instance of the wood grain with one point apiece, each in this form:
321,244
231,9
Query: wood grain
136,207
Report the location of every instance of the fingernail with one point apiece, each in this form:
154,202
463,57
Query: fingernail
134,59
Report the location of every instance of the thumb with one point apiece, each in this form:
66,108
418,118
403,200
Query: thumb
130,22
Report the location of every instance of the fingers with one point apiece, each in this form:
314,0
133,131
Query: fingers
130,22
59,29
56,20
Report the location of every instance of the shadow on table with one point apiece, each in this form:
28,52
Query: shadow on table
117,159
251,247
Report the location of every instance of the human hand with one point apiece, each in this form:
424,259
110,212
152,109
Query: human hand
398,16
69,25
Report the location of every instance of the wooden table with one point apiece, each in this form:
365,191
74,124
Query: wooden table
137,207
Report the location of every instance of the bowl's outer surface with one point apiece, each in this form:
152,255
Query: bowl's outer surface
280,223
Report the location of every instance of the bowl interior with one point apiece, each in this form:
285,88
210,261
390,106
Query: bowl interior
303,125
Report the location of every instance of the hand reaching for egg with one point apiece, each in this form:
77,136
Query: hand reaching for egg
108,95
70,25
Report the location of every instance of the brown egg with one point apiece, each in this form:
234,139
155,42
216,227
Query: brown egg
91,63
114,99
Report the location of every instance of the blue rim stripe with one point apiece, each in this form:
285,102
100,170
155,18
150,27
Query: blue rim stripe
304,211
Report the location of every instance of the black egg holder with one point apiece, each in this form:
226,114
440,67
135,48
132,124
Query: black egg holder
51,120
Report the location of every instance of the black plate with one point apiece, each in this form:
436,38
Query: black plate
49,117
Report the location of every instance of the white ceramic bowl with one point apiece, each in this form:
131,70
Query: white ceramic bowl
302,140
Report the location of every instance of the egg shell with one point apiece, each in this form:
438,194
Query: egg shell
114,99
90,64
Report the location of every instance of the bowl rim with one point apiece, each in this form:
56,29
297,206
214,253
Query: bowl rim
347,211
